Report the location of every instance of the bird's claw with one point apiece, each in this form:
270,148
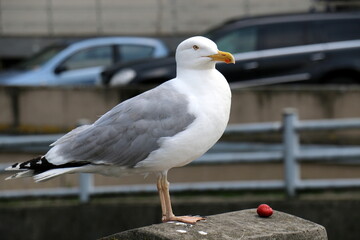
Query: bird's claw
184,219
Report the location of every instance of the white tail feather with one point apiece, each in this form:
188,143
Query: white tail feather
54,173
23,174
15,168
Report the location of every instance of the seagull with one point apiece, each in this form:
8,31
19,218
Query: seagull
168,126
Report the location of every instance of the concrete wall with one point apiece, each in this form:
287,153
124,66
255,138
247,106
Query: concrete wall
321,102
60,109
139,17
66,219
28,26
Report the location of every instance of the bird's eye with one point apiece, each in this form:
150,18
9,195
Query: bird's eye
195,47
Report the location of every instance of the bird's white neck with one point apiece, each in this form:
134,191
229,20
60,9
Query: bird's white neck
207,85
195,74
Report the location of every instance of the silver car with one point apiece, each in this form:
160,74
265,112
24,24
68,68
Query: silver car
80,63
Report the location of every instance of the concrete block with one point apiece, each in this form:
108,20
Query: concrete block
245,224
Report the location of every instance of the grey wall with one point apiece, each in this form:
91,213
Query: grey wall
59,109
129,17
27,26
70,220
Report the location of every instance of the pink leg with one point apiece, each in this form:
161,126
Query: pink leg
161,195
165,200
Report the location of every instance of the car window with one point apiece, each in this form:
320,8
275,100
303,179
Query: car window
281,35
41,57
90,57
134,52
239,41
335,30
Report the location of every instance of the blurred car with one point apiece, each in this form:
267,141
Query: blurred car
308,47
80,62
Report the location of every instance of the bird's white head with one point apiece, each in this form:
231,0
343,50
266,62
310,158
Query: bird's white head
200,53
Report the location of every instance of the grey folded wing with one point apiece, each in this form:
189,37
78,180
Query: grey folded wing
130,131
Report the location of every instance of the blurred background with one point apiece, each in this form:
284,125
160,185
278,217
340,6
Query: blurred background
293,139
28,26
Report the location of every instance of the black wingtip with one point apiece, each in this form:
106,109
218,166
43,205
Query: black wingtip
41,164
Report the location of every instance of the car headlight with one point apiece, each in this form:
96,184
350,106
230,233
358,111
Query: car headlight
123,77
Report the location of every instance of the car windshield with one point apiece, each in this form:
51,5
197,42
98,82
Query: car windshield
238,41
40,58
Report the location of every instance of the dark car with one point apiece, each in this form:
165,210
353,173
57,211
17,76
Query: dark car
311,48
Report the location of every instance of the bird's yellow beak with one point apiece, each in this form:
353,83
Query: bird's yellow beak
223,57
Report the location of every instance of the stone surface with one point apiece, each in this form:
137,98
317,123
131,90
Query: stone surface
245,224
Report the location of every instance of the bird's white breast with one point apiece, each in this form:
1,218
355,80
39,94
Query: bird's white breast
209,101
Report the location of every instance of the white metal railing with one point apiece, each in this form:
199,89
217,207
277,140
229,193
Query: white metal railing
289,152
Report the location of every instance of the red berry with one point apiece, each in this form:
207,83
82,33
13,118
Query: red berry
264,210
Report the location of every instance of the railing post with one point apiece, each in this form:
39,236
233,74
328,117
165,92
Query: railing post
291,150
85,186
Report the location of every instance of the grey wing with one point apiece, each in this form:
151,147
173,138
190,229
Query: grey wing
129,132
